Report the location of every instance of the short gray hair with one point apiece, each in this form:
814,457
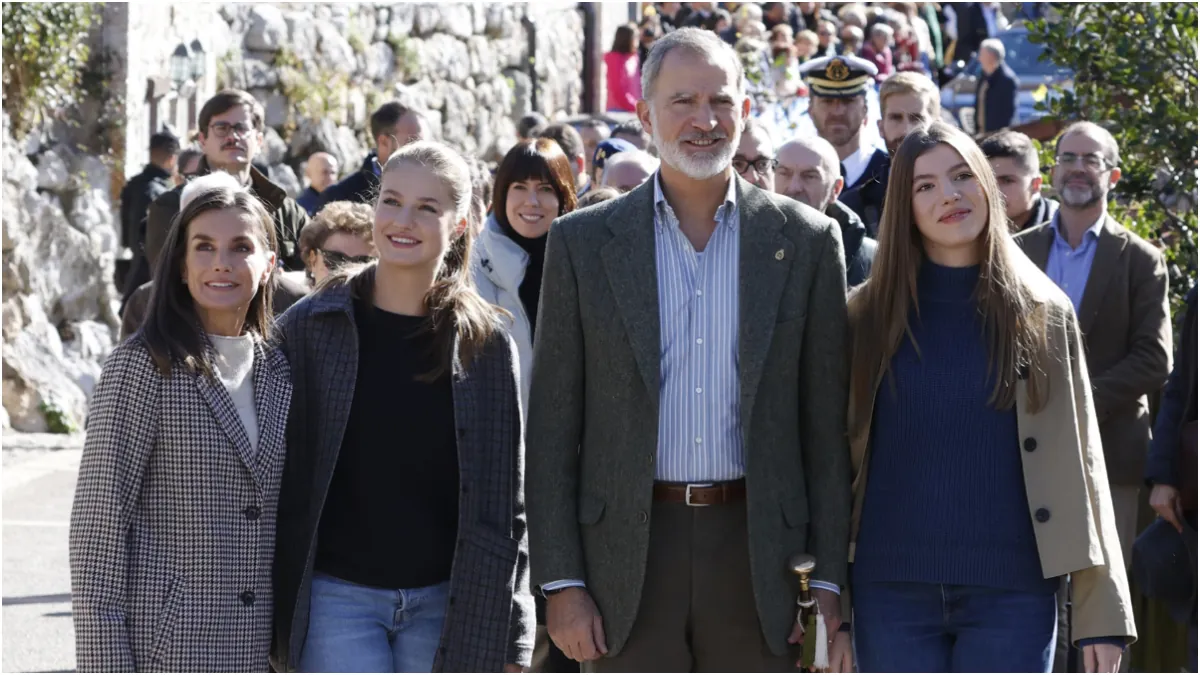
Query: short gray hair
994,46
1110,149
697,41
823,149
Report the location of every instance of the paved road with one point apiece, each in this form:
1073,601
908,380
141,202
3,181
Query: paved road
38,476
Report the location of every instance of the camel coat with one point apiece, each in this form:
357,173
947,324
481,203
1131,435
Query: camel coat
1065,478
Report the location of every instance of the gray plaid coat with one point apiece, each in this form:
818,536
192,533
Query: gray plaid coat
173,526
490,618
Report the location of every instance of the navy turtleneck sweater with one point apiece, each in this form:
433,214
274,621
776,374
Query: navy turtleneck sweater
945,500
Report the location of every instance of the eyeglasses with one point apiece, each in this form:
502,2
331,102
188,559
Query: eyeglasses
222,129
335,260
1090,162
763,165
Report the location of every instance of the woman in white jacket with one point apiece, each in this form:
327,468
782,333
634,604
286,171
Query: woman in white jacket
534,185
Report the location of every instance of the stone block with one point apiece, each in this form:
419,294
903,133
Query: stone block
268,30
274,146
52,173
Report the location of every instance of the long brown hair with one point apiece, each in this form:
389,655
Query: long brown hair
455,309
1014,321
171,330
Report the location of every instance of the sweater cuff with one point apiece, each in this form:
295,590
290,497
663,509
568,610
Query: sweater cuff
1114,641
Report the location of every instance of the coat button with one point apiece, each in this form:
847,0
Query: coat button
1042,515
642,517
252,513
1030,444
247,598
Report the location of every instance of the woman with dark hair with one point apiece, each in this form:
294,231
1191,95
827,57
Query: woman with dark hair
534,185
173,528
402,543
970,404
624,76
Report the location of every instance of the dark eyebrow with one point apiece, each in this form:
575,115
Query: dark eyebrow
956,167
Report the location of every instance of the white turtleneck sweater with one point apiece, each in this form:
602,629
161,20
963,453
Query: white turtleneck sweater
235,370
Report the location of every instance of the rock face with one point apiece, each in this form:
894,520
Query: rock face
465,65
59,245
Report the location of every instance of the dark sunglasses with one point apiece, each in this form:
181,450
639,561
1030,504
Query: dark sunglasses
336,259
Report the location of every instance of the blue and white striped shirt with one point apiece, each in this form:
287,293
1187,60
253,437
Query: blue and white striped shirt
699,418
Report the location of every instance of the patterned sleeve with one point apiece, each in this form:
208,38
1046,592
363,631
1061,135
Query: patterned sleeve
120,433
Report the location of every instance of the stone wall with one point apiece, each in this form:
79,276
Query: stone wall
320,70
59,243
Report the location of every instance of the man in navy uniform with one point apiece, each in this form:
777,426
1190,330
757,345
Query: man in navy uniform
838,109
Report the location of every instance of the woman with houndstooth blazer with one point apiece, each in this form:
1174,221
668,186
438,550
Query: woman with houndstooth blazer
173,527
402,537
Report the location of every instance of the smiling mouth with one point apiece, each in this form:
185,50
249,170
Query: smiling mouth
530,218
704,142
221,285
404,242
955,216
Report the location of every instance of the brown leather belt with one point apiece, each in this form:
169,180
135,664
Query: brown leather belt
701,494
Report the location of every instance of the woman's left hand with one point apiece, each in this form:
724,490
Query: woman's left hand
1101,658
513,668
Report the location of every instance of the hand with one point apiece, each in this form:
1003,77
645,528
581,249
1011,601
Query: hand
841,654
1164,499
575,625
513,668
831,610
1101,658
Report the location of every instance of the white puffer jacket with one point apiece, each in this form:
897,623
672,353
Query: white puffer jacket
498,267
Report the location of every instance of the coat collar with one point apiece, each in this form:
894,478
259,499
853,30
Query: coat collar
260,185
501,259
272,398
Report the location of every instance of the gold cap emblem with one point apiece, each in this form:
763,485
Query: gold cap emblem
837,70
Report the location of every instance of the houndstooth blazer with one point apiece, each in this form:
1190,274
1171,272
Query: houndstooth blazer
173,527
490,617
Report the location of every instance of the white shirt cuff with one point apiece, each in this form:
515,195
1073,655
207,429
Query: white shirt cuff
562,583
825,586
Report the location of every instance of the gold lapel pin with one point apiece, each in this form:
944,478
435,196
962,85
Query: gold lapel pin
779,254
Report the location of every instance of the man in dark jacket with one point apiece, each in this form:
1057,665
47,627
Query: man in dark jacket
808,172
1170,474
839,112
1014,160
136,197
996,92
393,126
231,125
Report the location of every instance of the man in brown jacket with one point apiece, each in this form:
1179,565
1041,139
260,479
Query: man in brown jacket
231,136
1118,284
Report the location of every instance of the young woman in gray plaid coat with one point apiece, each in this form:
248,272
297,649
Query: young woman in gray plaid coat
402,538
173,527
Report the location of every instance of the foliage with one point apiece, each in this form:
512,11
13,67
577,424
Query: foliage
58,421
1136,72
45,48
407,57
312,93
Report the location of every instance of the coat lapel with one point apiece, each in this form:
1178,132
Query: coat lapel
272,401
1038,248
764,264
1108,249
632,274
221,404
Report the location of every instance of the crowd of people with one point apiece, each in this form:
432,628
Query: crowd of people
587,408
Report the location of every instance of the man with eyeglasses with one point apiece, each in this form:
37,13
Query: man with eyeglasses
808,171
1117,282
828,43
755,156
231,137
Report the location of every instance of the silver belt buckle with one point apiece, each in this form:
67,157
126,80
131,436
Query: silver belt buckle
687,497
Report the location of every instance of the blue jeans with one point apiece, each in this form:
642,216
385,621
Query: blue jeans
931,628
359,629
